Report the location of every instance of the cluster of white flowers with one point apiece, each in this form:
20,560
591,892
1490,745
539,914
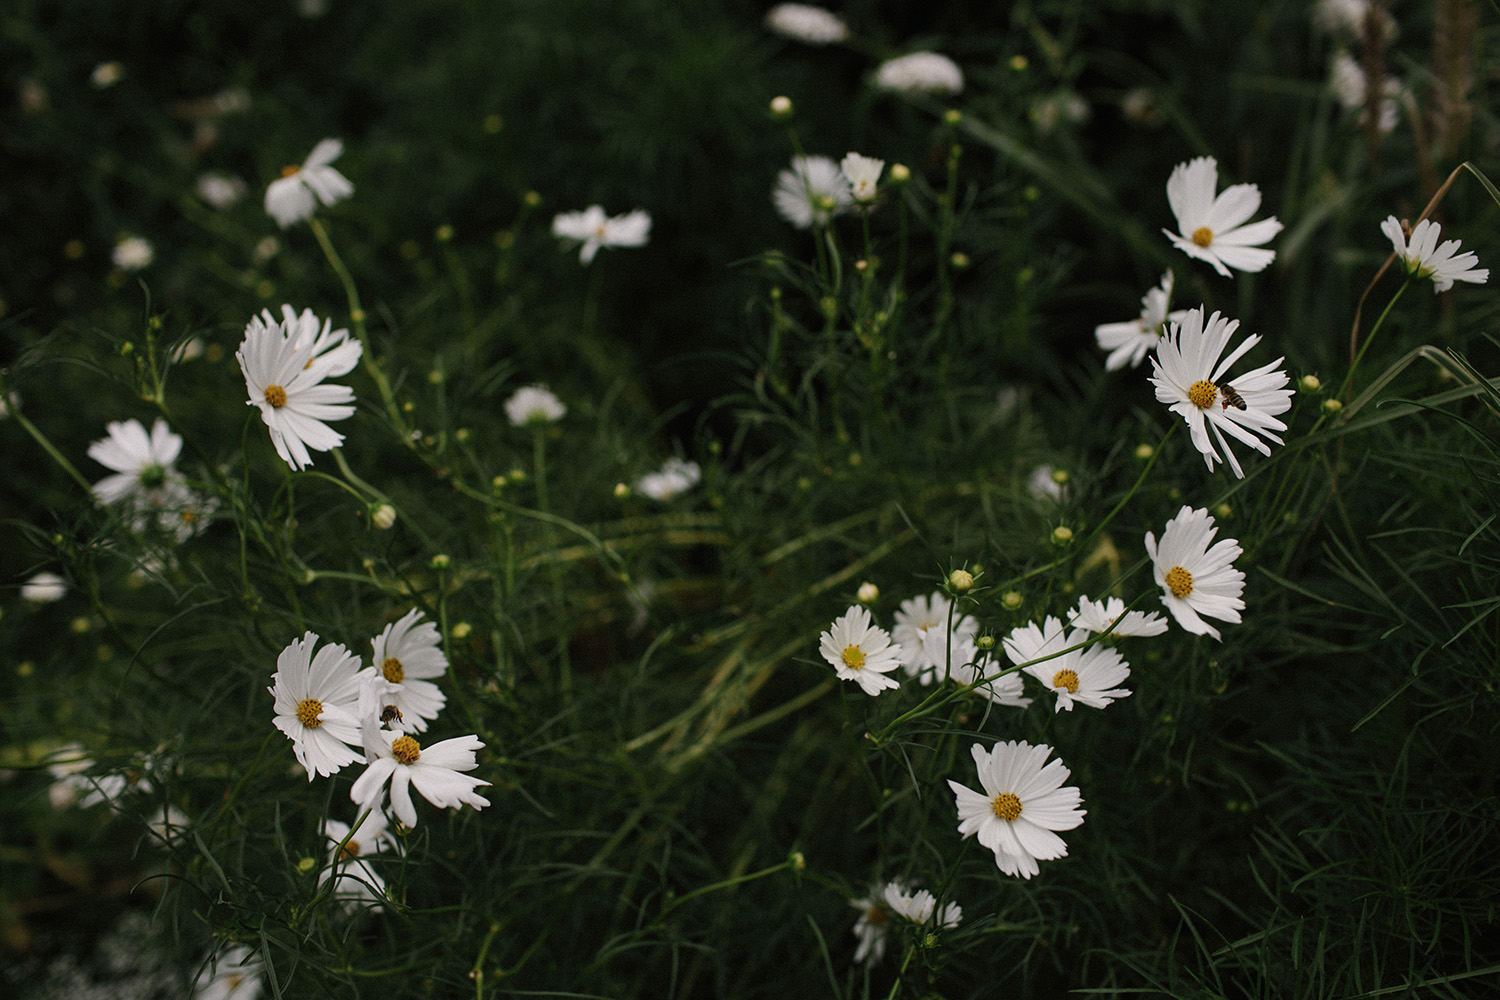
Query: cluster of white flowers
676,476
893,900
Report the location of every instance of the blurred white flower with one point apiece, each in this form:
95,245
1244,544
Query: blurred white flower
534,404
863,175
1212,228
107,74
1197,580
220,190
143,464
1023,805
284,365
133,253
408,653
1044,484
676,476
316,697
44,588
1424,258
1130,341
806,23
236,976
922,635
1351,86
296,194
920,73
860,651
593,229
812,191
871,927
1349,17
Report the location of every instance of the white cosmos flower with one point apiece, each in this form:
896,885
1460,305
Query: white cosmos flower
1424,258
1085,676
142,463
1197,579
295,195
920,73
872,926
408,654
1189,378
284,365
860,651
920,617
133,253
593,229
220,190
811,192
356,880
806,23
863,175
236,976
1129,342
316,698
534,404
44,588
399,760
1213,228
676,476
1351,85
920,907
1099,616
1002,688
1023,806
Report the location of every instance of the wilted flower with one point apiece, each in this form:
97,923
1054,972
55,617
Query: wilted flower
1197,579
1023,804
1424,258
860,651
593,229
806,23
811,192
295,195
1212,228
920,73
534,404
1129,342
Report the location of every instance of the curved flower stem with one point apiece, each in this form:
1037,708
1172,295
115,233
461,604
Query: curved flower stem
42,439
1354,362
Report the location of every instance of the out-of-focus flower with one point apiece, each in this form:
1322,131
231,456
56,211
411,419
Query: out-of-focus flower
920,73
133,253
676,476
811,192
806,23
1424,258
107,74
1213,228
44,588
1130,341
593,229
220,190
534,404
863,175
296,194
1351,86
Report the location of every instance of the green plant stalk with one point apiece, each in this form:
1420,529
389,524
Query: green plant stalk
564,664
1369,338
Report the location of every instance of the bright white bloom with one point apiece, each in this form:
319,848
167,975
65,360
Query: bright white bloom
1023,805
921,618
1189,378
295,196
220,190
594,229
1424,258
1085,676
1129,342
237,976
920,73
919,906
145,485
44,588
1099,616
398,759
1197,580
316,698
860,651
357,881
806,23
1213,228
407,653
676,476
284,365
534,404
133,253
1350,84
863,175
1044,484
811,192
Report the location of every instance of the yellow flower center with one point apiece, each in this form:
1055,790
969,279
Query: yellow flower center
1203,236
276,396
1179,581
406,750
290,169
392,670
308,711
1006,806
1202,394
854,657
1066,679
351,850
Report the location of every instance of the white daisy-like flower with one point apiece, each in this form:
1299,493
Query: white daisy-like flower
872,926
284,372
1189,378
237,975
920,907
44,588
860,651
1023,806
356,880
143,465
806,23
399,760
1424,258
408,653
919,619
675,476
1099,616
534,404
1351,86
294,197
1212,228
1197,579
133,253
1006,689
1129,342
316,699
1084,676
863,175
811,192
920,73
593,229
220,190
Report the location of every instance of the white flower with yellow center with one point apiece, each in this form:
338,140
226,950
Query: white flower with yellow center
1023,806
1212,228
920,73
1197,579
919,618
1424,258
1109,615
534,404
594,230
811,192
806,23
144,479
133,253
399,760
316,698
1189,378
860,651
863,175
294,196
284,365
408,653
236,975
1086,676
1130,341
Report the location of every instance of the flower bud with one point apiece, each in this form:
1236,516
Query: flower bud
960,580
868,593
383,516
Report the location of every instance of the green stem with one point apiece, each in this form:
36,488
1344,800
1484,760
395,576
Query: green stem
565,667
1349,378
